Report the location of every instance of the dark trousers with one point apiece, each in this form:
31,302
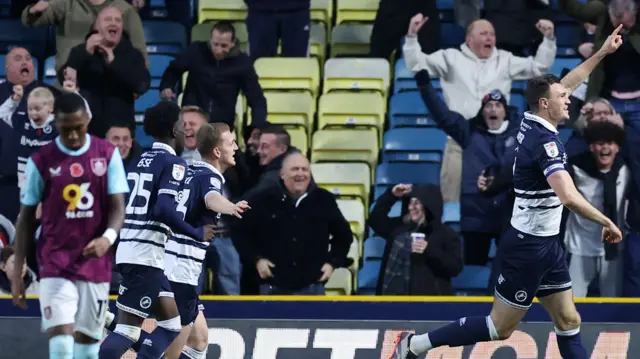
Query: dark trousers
392,22
10,200
631,274
177,10
267,28
476,252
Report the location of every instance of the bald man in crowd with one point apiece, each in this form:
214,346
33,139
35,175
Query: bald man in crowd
468,73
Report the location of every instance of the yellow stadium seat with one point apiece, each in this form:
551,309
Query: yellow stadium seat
340,283
301,74
356,11
299,138
321,11
289,108
344,179
348,145
353,211
350,40
352,109
357,74
221,10
318,42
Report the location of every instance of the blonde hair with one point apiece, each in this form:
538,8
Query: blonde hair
583,120
42,94
193,109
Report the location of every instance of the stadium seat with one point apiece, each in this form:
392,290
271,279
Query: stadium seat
451,212
565,133
451,35
414,144
339,283
299,138
322,11
354,212
350,40
390,174
406,109
289,108
49,70
518,101
568,38
357,74
150,98
374,248
234,10
5,8
472,280
143,139
518,85
356,11
368,277
301,74
444,4
351,109
561,63
318,42
345,146
158,63
354,254
164,37
403,79
14,34
344,179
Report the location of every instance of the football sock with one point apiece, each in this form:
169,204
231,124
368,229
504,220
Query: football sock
160,339
138,344
190,353
110,322
570,344
61,347
118,342
465,331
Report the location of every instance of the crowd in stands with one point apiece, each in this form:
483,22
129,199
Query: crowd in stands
376,139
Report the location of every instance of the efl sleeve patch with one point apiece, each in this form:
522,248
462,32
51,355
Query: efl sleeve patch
551,148
178,172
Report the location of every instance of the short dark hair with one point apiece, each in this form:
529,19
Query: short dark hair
604,131
160,119
5,254
69,102
209,135
225,26
538,87
282,136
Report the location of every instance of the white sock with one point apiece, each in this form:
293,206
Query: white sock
420,344
109,319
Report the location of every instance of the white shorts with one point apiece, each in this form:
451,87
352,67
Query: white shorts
83,304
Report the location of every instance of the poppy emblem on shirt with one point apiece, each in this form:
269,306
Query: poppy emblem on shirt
76,170
99,166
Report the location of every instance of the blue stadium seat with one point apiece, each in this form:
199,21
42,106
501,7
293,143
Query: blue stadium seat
5,8
389,174
403,79
493,249
518,85
451,35
561,63
406,109
565,133
568,39
374,248
518,101
472,279
451,212
444,4
164,37
49,75
150,98
143,139
368,277
14,34
414,145
158,63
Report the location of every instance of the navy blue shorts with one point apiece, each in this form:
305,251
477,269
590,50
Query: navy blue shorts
188,302
530,266
140,289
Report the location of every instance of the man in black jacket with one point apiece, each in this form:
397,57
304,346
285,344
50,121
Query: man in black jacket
286,234
218,70
109,71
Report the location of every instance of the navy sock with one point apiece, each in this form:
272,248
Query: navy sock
465,331
137,345
114,346
112,326
570,344
157,342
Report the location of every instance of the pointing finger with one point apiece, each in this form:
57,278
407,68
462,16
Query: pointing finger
617,30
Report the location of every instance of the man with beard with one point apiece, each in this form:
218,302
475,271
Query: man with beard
109,71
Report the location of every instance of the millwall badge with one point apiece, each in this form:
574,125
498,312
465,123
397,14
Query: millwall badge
47,129
99,166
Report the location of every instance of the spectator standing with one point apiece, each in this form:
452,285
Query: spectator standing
286,235
109,71
218,71
120,136
595,110
422,254
488,141
272,21
602,178
469,73
74,19
389,26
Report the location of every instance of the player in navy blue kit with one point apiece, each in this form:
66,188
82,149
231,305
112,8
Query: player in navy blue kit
155,180
201,201
531,256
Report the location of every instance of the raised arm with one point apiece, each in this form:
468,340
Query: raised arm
522,68
435,63
44,13
578,75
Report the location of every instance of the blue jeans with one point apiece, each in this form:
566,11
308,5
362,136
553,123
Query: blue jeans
630,112
314,289
226,267
631,263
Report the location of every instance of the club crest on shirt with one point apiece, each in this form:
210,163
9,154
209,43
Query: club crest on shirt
551,149
76,170
178,172
99,166
46,129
